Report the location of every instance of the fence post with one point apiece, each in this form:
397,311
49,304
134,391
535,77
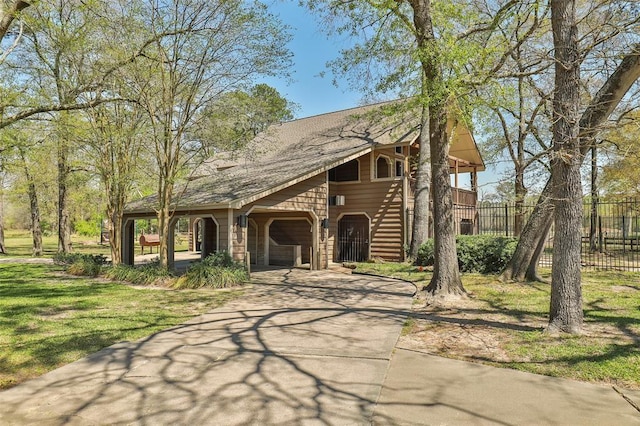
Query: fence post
506,219
624,232
600,236
593,223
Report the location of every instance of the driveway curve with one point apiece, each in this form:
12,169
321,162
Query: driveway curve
299,347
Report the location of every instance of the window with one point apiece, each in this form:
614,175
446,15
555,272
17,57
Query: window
399,168
383,167
347,172
398,150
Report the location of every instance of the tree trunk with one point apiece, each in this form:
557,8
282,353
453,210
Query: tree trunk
115,235
566,292
3,248
422,196
532,237
64,220
520,193
115,209
164,219
524,262
163,230
36,229
446,280
593,240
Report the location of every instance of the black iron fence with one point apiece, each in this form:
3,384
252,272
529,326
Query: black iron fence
610,230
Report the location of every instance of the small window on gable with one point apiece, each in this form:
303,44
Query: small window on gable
347,172
398,150
399,168
383,167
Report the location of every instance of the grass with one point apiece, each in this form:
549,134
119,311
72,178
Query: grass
511,317
19,243
48,319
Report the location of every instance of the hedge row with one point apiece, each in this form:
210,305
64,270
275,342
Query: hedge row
485,254
218,270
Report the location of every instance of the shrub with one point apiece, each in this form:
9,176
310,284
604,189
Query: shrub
486,254
426,254
81,264
48,228
87,228
223,259
70,258
84,267
148,274
218,270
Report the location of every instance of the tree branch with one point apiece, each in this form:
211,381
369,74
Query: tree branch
610,95
30,112
7,16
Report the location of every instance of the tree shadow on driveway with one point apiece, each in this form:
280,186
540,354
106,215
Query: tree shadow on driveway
299,348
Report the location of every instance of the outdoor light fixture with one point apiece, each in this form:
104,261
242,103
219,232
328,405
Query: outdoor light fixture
325,223
242,221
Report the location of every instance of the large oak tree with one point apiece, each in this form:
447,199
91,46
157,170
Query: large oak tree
566,291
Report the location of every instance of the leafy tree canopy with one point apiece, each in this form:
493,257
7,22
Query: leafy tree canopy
621,175
236,117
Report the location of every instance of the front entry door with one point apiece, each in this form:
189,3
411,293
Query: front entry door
353,238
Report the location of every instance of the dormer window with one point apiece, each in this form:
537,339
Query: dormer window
347,172
383,167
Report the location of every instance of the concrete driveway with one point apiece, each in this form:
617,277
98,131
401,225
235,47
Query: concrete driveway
299,348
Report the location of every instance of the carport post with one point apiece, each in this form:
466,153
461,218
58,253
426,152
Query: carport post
127,243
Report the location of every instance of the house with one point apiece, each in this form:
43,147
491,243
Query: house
330,188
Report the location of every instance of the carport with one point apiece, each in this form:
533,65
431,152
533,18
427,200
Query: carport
284,238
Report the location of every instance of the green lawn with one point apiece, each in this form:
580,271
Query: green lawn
509,319
19,243
48,319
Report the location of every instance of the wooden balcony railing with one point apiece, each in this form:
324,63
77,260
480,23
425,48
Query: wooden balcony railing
461,197
464,197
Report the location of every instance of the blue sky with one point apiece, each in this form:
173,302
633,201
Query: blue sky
312,49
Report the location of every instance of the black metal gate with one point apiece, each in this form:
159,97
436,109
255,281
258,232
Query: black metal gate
353,238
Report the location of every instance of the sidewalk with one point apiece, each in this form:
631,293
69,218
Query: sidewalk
422,389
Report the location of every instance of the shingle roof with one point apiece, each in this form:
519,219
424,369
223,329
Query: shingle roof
289,152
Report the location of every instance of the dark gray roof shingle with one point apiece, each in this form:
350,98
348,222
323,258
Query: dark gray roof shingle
290,151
